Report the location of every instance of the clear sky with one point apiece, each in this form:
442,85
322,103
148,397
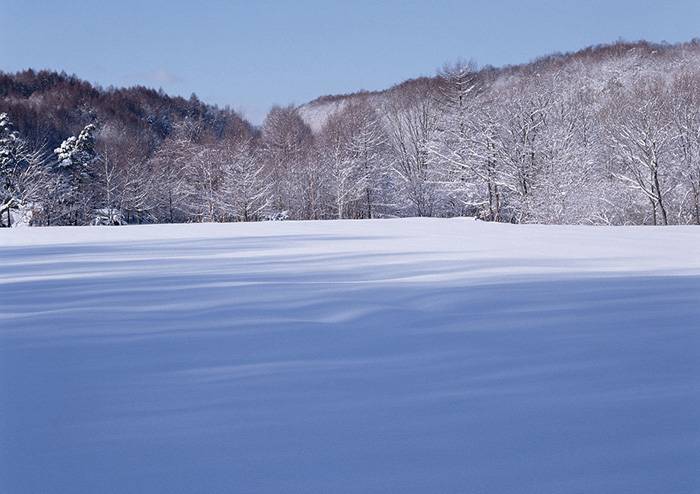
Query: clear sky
252,54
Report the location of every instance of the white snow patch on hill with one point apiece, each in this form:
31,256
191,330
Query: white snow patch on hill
403,356
316,114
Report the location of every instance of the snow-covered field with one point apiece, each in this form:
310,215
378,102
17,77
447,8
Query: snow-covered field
396,356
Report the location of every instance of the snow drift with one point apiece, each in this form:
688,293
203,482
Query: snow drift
404,356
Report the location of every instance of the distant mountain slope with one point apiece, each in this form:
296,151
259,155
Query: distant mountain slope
47,107
623,61
605,135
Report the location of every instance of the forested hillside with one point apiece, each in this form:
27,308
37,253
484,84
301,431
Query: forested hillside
47,107
606,135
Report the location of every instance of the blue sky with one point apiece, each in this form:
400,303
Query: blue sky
252,54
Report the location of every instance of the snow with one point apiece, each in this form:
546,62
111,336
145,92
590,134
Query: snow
316,114
412,355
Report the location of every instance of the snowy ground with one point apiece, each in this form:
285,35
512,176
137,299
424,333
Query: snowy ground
397,356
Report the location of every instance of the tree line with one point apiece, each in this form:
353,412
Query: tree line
608,135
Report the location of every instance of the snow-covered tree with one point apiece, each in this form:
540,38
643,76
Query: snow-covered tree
685,109
296,184
167,169
122,182
24,178
11,157
367,146
347,177
462,145
75,160
203,185
411,118
640,134
247,190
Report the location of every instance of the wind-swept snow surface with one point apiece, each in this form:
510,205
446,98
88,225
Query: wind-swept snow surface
426,356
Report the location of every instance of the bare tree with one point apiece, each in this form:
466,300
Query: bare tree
204,183
123,182
367,147
287,142
247,191
167,167
348,149
411,117
463,141
640,137
686,122
522,119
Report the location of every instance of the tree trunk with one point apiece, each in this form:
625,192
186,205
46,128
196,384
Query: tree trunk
498,202
659,199
369,204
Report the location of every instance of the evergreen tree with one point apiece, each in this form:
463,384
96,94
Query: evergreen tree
75,157
11,150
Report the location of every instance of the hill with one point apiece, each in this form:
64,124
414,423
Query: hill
623,60
47,107
605,135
